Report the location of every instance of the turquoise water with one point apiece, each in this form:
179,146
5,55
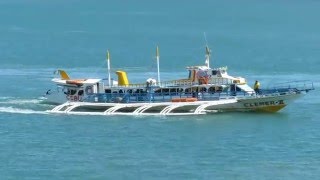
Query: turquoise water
274,41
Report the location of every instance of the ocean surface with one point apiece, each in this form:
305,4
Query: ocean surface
270,41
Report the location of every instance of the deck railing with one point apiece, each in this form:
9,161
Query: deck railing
160,97
181,82
148,95
291,86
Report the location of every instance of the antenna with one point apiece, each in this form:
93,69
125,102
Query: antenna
158,63
108,62
208,51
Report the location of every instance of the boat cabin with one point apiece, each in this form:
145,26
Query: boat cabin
206,75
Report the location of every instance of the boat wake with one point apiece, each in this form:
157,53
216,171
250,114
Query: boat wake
16,105
19,101
14,110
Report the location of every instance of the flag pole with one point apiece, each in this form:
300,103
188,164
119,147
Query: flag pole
158,64
108,62
207,56
208,51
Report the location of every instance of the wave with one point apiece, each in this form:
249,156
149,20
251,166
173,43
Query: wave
20,111
19,101
5,98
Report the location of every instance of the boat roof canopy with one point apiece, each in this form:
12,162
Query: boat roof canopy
77,82
198,68
225,68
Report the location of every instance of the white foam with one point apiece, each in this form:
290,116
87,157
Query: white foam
5,98
20,101
20,111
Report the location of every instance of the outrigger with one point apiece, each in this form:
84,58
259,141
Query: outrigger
206,90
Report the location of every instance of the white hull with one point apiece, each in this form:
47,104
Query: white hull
164,108
271,103
55,98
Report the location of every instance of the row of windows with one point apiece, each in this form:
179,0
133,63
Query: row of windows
73,92
169,90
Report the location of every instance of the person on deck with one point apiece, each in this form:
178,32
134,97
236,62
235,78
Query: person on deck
256,87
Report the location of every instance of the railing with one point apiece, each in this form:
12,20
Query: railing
221,80
186,82
160,97
298,86
181,82
148,94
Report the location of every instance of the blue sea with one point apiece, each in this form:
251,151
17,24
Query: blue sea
270,41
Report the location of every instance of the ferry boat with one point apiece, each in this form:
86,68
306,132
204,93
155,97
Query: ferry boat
205,90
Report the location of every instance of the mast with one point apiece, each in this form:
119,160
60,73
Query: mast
108,62
208,53
158,64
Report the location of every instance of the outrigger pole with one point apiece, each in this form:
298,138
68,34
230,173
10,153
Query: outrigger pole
158,58
108,61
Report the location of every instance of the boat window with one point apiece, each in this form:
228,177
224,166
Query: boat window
73,92
218,88
138,91
165,90
107,90
233,87
89,90
214,72
218,73
211,90
189,74
188,90
173,90
80,93
203,89
70,92
214,89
